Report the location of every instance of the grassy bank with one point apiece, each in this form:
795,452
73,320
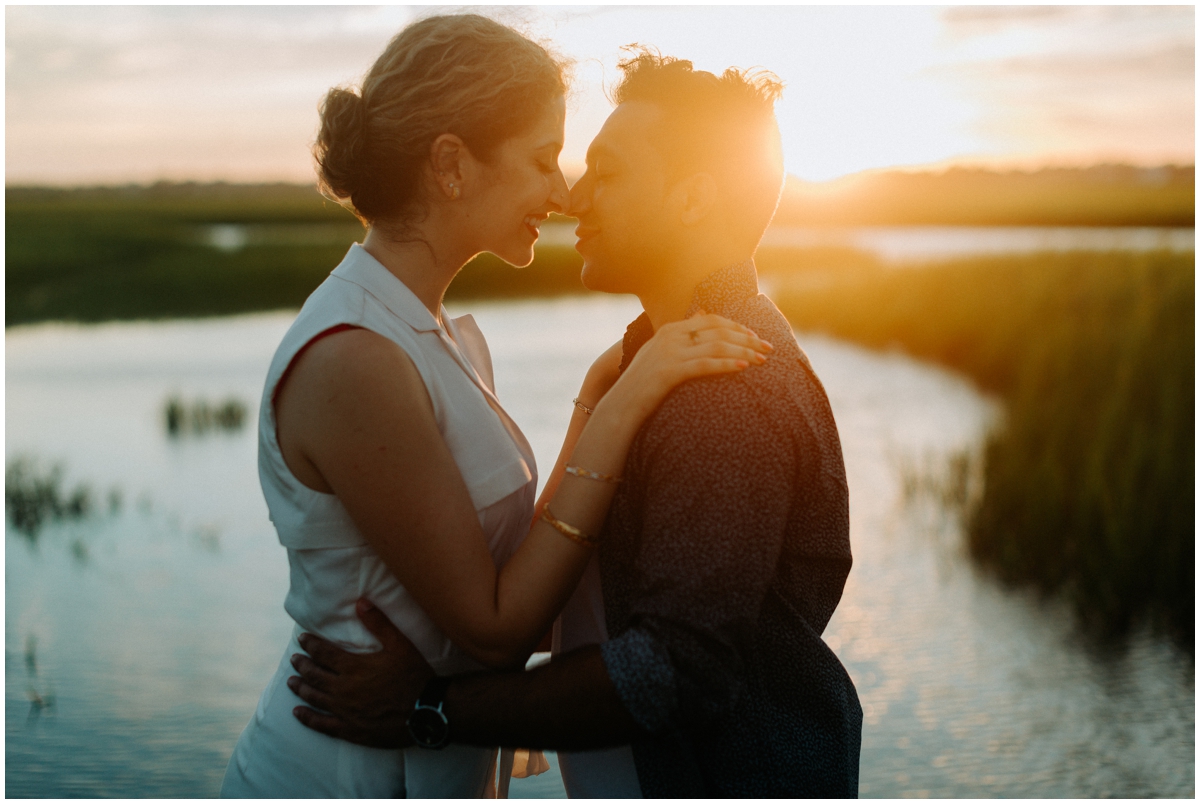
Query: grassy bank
1089,485
1104,195
180,250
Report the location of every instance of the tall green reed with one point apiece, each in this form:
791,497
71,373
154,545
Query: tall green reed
1089,482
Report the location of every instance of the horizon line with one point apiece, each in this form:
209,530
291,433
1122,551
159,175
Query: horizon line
937,168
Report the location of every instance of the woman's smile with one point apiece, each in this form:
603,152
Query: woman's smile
532,222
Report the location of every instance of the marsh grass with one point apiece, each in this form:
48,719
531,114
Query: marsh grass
199,417
1089,484
34,496
139,253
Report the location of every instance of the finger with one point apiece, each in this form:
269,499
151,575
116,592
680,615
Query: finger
714,365
309,694
714,321
739,337
323,652
312,673
708,322
727,349
378,624
317,721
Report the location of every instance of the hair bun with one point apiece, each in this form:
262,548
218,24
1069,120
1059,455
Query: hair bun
340,144
463,74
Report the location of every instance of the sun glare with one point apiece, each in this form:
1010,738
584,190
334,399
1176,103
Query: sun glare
138,93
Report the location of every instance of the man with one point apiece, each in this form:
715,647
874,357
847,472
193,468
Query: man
727,546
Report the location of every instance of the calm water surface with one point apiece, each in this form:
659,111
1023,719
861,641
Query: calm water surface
137,641
900,245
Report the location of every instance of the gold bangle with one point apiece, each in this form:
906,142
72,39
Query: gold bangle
588,474
583,407
570,531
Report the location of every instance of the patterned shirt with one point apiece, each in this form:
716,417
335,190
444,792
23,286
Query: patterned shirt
724,555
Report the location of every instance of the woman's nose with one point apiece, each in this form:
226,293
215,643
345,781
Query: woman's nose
560,196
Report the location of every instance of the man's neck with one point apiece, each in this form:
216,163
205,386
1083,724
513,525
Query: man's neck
669,299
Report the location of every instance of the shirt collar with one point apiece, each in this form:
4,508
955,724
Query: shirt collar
719,291
360,268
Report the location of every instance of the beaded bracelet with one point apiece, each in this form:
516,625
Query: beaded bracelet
583,407
590,475
570,531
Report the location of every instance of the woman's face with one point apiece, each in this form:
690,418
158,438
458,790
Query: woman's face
520,188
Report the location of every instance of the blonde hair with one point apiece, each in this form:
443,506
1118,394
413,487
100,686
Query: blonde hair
460,74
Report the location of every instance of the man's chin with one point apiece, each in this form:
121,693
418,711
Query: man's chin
594,277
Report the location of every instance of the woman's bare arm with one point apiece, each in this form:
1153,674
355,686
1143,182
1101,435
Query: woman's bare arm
601,376
355,420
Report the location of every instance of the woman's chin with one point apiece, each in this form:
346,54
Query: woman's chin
517,257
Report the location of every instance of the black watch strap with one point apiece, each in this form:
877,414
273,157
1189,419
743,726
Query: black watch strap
427,723
434,694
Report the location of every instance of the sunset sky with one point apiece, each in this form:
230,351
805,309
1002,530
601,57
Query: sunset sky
100,94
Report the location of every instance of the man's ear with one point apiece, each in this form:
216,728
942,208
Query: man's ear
448,155
696,197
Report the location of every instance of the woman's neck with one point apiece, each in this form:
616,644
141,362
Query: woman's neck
424,262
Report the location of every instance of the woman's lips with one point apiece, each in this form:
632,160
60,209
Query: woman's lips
532,222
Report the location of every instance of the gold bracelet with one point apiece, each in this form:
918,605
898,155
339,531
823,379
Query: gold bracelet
570,531
583,407
588,474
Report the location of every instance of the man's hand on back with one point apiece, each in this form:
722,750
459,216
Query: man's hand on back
366,698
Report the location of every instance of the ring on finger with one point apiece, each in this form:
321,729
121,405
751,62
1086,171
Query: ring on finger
694,336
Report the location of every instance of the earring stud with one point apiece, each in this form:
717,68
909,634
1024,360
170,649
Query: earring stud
454,192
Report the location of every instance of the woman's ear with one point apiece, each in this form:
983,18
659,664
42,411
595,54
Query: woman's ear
447,155
697,197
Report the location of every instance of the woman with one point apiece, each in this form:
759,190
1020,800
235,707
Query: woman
389,467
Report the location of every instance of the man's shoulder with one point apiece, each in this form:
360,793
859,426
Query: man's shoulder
788,372
781,400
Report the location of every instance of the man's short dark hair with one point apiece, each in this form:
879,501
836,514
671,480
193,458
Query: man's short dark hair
724,126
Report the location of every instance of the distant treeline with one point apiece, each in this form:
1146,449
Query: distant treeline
179,250
1106,195
1089,485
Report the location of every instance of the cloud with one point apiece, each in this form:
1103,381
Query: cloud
119,93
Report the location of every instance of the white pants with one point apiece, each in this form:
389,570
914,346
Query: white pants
278,757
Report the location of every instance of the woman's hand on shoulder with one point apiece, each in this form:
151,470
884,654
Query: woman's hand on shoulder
699,346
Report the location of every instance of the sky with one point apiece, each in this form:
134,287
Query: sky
108,94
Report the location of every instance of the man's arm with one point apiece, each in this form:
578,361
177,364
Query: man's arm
718,473
568,704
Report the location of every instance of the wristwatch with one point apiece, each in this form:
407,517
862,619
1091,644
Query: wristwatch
428,724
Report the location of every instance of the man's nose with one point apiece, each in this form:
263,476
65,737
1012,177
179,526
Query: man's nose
578,202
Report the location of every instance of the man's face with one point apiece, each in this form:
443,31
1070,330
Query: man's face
625,229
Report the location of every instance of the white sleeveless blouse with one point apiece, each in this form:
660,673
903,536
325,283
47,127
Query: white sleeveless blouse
331,563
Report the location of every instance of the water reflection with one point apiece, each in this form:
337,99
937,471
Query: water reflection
909,244
152,655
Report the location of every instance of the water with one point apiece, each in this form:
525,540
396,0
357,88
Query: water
137,642
900,245
897,245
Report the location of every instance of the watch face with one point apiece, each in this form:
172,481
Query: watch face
428,727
